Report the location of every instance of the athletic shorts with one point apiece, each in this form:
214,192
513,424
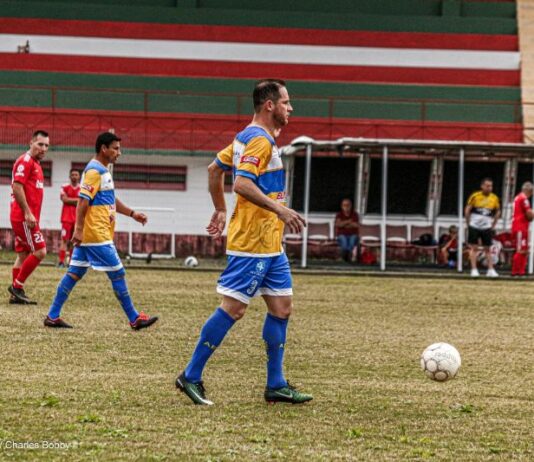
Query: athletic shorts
484,235
520,240
27,239
247,277
99,257
67,230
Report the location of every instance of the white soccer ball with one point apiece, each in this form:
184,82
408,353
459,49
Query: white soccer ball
191,262
441,362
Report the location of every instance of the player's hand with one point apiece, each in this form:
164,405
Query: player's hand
217,223
30,219
140,218
292,219
77,237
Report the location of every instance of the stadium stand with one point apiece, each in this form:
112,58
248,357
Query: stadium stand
406,69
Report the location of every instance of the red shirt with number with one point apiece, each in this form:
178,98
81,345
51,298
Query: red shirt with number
68,212
28,172
521,207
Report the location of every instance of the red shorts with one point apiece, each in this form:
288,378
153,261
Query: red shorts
67,230
520,240
27,239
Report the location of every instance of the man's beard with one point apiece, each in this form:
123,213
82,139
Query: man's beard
280,120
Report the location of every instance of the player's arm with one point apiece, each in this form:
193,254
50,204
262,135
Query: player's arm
353,223
68,200
467,213
123,209
216,170
20,198
253,162
247,188
217,222
469,208
81,211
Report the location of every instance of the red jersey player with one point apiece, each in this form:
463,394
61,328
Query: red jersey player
26,199
520,223
69,197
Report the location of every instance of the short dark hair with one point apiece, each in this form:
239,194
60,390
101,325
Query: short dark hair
105,139
485,179
265,90
36,133
74,170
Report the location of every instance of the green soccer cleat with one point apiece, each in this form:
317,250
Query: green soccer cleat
195,391
286,395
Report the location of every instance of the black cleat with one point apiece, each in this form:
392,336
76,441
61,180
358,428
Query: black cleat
286,394
143,321
19,297
57,323
194,391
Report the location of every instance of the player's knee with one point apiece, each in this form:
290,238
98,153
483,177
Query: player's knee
282,308
116,275
237,312
235,308
40,254
285,310
74,276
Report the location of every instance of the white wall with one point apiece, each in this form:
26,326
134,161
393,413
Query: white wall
192,207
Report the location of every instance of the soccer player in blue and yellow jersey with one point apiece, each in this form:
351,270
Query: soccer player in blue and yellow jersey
257,264
93,235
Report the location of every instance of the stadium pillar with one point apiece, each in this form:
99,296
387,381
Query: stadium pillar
461,209
383,223
307,173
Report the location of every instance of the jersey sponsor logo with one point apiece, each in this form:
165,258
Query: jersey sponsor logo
39,184
20,171
250,160
88,188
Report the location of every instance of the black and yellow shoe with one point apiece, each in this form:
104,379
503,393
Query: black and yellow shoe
195,391
286,395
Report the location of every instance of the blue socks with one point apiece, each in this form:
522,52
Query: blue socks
274,335
211,336
121,292
118,282
63,290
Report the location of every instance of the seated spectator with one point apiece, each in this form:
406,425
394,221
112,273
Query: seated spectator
347,229
448,247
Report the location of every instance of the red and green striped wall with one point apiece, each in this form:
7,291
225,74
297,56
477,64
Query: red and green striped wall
160,102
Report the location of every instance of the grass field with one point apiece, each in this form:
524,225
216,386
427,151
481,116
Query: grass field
109,394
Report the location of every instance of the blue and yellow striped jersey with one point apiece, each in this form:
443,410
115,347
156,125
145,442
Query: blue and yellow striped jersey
98,188
254,231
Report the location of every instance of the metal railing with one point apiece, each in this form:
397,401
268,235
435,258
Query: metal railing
191,121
